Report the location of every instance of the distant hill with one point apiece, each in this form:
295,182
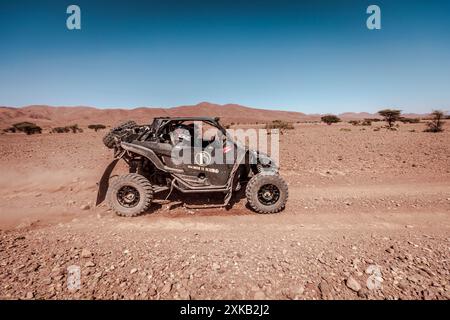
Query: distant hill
49,116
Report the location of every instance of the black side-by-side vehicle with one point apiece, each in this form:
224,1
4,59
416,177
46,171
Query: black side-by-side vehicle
170,154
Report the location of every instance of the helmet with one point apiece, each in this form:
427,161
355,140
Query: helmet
180,135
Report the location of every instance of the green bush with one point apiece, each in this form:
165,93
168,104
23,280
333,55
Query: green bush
10,129
365,122
74,128
96,127
60,130
409,120
278,124
26,127
330,118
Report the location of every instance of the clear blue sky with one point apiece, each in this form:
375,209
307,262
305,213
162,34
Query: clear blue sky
308,56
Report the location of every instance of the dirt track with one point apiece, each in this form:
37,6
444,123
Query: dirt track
357,198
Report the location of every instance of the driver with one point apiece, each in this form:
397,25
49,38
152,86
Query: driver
181,135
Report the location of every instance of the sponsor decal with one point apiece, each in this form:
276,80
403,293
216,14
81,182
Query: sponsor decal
202,158
227,149
205,169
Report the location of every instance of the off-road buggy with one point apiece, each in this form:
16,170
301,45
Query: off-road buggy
171,154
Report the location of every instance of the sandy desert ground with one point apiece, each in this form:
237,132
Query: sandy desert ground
359,200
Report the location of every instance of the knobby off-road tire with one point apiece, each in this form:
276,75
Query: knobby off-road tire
130,195
267,193
109,138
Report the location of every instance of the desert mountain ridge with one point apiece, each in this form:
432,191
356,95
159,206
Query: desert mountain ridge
48,116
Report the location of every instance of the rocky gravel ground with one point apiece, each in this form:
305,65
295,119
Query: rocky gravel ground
211,258
368,218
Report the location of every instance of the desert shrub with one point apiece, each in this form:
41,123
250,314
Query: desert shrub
26,127
409,120
60,130
372,119
345,129
365,122
330,118
377,129
278,124
96,127
74,128
11,129
390,116
436,123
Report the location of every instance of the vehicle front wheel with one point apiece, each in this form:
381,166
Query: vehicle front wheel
267,193
130,195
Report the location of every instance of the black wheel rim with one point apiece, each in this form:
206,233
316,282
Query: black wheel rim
268,194
128,196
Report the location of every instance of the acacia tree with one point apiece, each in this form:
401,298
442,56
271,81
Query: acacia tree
390,116
330,118
436,122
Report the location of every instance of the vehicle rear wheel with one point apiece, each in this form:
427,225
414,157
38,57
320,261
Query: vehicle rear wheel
267,193
130,195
